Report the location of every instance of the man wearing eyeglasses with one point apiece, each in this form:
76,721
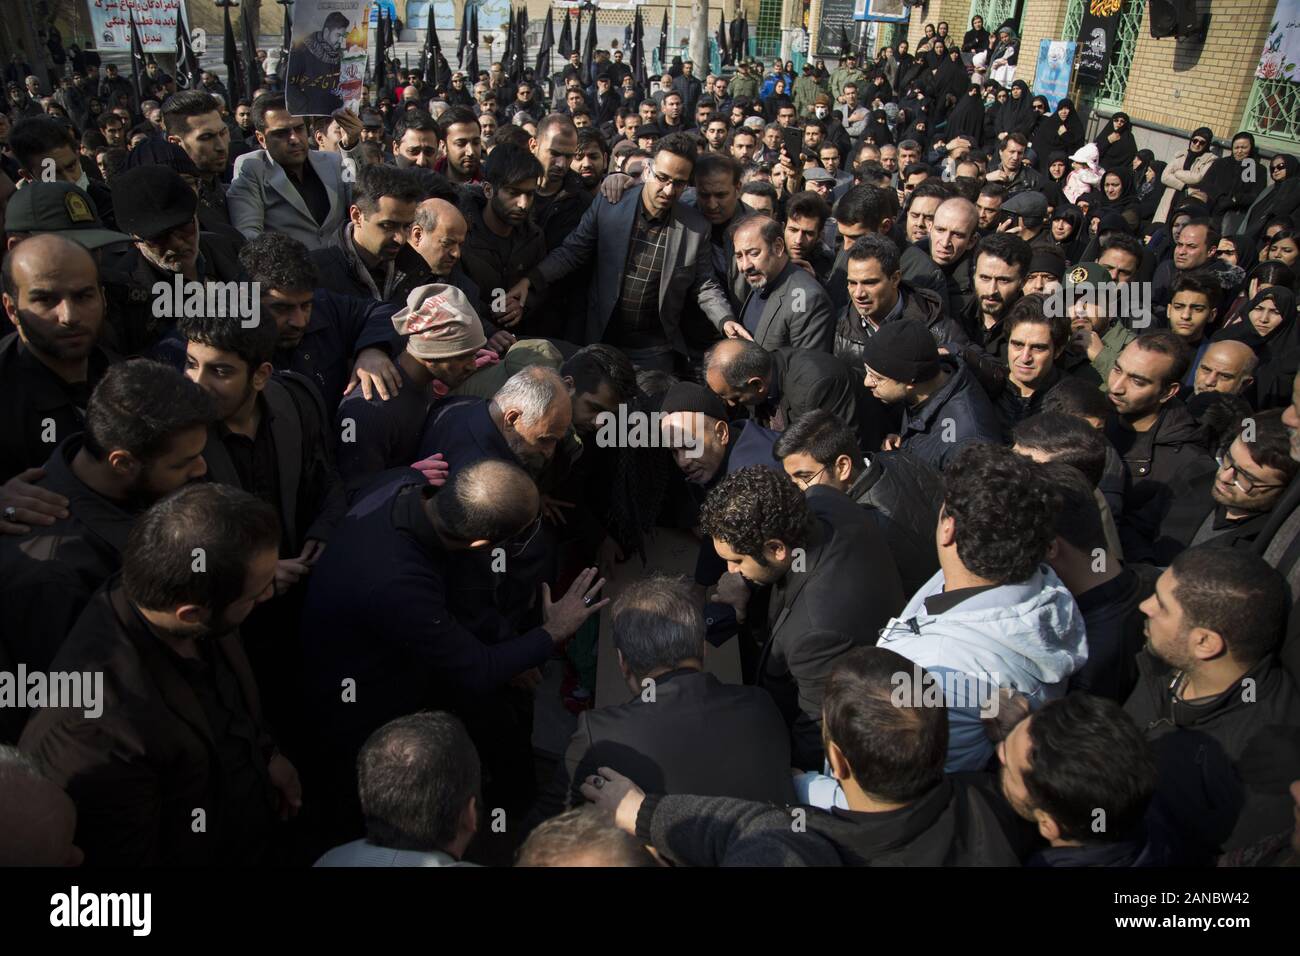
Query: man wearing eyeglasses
1230,507
651,254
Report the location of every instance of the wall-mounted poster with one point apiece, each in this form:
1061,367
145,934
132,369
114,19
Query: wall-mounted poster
1281,57
327,57
1052,75
836,15
886,11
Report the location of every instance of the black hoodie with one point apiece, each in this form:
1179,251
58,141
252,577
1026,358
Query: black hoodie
954,824
1162,464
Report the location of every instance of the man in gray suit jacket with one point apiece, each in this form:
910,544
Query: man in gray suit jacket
785,305
285,186
651,252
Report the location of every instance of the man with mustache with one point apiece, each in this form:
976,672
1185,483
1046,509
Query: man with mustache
1155,435
1001,265
285,187
182,726
504,242
373,259
49,366
785,305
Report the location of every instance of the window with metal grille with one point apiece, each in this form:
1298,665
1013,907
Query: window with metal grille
1273,110
768,29
1111,90
994,12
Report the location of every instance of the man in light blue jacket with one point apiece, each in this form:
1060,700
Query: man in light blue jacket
995,616
419,783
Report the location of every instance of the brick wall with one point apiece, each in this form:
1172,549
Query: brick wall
1041,20
956,12
1187,85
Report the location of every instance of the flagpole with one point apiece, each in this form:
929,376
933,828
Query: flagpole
672,38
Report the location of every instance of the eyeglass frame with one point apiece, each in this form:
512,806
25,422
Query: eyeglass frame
678,185
1225,457
517,548
806,483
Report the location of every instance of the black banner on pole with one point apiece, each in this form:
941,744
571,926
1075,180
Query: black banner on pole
1097,39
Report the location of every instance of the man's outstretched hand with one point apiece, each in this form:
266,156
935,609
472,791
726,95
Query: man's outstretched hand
563,617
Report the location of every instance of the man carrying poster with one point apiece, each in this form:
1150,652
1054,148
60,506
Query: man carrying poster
314,82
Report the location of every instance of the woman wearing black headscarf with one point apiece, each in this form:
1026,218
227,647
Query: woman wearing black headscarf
878,129
967,117
908,70
1017,114
1116,144
1282,195
902,55
1186,170
1069,231
976,38
944,77
1056,168
919,130
1238,251
1117,188
1058,131
1146,184
879,87
1260,276
776,99
1271,332
993,110
1233,183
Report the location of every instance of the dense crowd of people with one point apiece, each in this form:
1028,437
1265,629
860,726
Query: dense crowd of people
323,437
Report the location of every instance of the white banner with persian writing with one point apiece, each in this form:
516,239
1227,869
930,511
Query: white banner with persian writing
110,22
1281,57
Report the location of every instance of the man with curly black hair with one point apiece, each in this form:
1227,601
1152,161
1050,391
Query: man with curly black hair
996,616
831,579
322,334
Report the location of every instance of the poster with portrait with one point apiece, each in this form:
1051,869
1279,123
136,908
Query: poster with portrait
1052,75
327,56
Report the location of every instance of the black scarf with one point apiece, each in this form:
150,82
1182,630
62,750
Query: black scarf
967,117
1017,115
1278,350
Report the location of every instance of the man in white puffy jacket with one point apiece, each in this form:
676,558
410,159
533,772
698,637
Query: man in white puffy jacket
996,615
